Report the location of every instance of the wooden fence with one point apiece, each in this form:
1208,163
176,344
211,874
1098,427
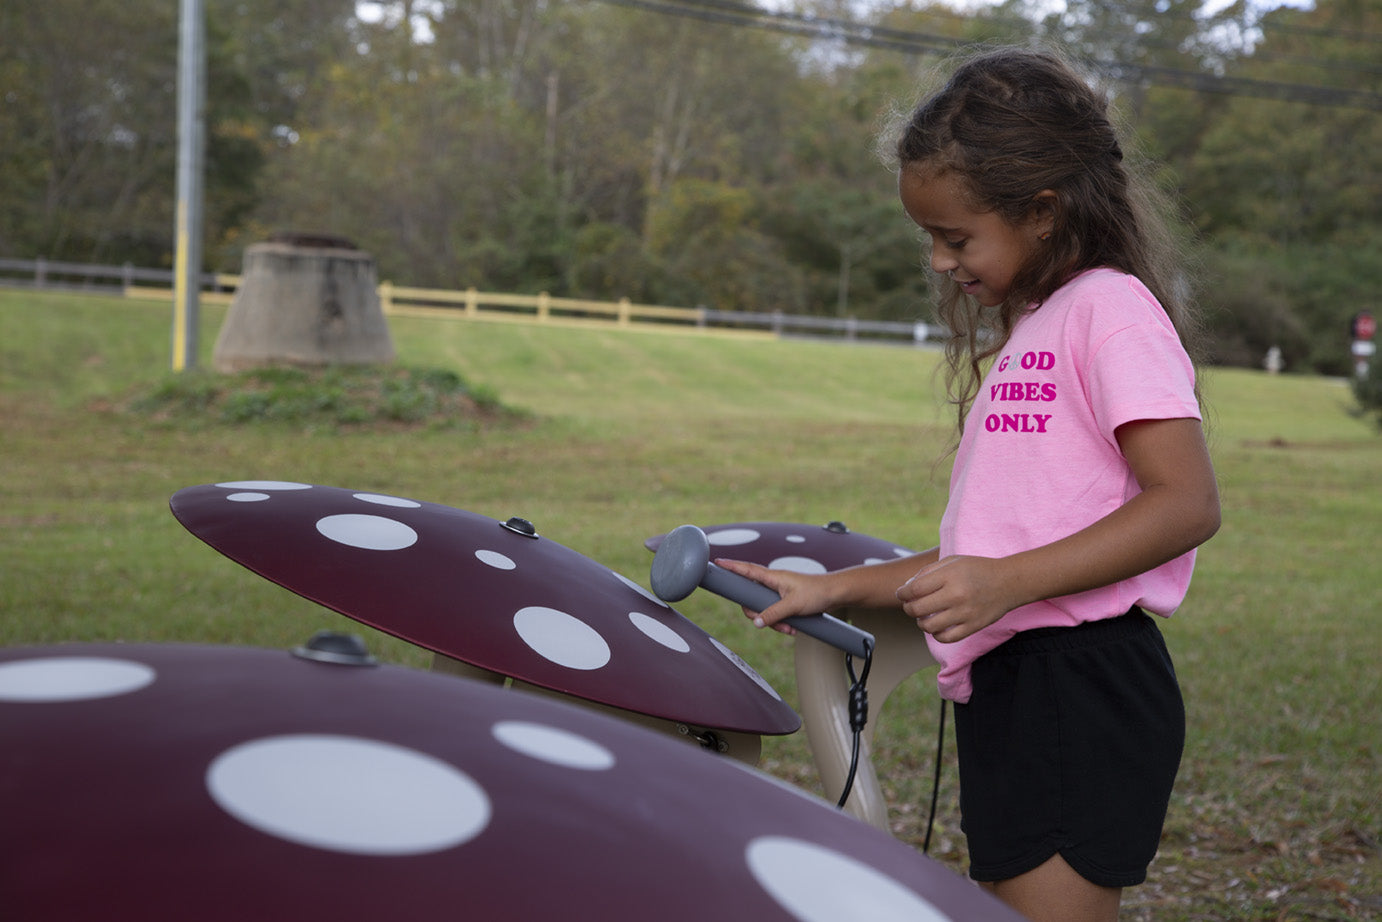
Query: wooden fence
219,288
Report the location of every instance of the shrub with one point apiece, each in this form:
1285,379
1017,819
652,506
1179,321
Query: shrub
1367,391
333,396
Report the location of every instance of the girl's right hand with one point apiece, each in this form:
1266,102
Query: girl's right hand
801,593
870,585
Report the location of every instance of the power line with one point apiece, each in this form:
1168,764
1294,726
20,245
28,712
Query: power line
726,12
798,24
1270,21
1243,86
1267,22
1212,48
1210,23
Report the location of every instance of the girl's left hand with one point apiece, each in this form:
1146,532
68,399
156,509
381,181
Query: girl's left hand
956,597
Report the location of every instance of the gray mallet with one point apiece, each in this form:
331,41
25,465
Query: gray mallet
682,563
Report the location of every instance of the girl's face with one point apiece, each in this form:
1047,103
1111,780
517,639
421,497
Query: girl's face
979,250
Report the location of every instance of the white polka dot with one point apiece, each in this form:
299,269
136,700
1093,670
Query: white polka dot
639,589
902,552
796,539
561,638
732,536
873,560
264,485
553,745
495,559
798,565
370,532
247,497
71,678
348,794
818,884
380,499
746,668
659,632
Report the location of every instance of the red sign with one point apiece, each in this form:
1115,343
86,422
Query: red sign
1364,326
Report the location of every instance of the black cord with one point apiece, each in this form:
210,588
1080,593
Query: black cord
935,782
858,718
858,714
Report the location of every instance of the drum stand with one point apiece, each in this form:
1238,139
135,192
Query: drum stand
823,698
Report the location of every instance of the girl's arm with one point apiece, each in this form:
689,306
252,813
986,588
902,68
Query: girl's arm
1177,510
867,586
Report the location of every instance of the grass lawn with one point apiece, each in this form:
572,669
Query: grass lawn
627,433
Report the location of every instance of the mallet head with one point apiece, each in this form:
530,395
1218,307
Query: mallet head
680,562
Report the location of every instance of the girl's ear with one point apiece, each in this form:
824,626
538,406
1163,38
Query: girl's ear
1042,215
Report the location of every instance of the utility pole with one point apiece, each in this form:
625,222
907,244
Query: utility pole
187,232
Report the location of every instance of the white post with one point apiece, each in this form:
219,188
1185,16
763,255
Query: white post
191,148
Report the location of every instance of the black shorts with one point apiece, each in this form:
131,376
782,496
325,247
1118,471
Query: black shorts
1070,744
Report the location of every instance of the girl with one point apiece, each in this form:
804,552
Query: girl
1081,484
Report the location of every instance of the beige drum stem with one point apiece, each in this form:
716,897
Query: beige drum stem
823,698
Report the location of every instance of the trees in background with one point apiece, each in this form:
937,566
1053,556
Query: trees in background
84,140
679,152
1288,193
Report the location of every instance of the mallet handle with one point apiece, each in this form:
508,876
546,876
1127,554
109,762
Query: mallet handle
756,597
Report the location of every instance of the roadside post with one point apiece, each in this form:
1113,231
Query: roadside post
1364,328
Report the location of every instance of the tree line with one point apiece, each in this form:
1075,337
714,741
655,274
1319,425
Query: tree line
687,152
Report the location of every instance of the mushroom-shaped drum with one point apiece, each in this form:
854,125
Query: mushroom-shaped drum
794,546
900,648
161,782
493,594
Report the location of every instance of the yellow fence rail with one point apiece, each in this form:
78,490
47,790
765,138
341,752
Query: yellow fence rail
544,308
471,304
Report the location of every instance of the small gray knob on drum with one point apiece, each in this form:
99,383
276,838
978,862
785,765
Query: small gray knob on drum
682,563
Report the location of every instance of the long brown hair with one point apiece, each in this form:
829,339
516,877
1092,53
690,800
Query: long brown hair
1012,123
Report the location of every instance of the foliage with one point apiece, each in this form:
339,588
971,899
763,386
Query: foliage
86,129
596,150
1367,390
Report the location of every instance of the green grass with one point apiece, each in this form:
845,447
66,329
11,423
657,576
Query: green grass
625,434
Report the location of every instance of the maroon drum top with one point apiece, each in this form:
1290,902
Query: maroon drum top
793,546
498,595
161,782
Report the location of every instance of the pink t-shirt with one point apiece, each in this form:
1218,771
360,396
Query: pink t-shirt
1039,461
